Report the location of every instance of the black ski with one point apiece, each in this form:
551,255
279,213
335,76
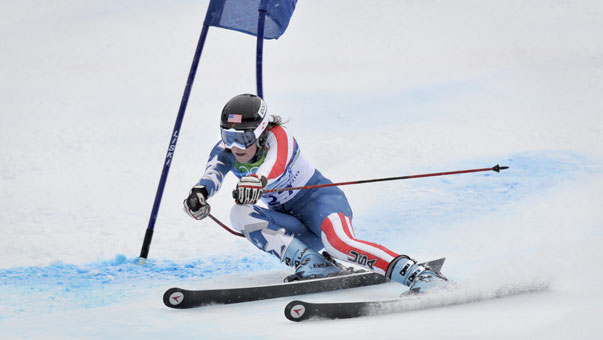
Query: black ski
301,310
182,298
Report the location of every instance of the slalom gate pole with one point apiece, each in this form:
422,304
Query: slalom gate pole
146,244
495,168
260,49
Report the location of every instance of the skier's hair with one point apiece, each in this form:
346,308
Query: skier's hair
275,121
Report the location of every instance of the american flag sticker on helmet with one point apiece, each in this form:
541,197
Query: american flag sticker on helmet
232,118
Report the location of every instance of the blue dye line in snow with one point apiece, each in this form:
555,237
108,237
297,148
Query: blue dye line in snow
61,286
441,201
122,270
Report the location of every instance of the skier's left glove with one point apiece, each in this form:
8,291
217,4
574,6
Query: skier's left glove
195,204
249,189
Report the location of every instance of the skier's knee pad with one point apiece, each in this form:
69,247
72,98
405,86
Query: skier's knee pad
254,224
241,217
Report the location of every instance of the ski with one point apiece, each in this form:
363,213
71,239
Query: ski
182,298
300,310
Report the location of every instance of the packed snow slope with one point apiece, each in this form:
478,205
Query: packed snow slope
89,92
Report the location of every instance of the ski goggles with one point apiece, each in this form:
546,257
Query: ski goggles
243,139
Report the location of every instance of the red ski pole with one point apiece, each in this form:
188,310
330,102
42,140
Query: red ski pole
225,226
496,168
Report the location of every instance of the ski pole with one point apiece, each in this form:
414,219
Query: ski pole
496,168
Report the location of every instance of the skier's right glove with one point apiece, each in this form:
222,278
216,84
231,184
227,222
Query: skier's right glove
195,204
249,189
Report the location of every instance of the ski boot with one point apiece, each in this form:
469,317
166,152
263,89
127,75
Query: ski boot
418,277
429,280
308,263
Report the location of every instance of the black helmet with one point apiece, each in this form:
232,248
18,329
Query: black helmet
243,120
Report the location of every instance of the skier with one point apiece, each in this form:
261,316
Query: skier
297,224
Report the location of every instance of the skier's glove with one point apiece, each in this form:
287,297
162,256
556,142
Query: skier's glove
195,205
250,189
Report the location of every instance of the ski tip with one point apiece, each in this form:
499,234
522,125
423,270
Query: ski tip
173,297
497,168
296,311
435,265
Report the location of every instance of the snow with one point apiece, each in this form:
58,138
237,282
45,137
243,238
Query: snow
88,98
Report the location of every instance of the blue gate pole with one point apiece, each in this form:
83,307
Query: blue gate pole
144,252
260,48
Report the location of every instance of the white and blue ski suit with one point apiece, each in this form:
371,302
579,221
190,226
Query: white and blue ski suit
319,217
